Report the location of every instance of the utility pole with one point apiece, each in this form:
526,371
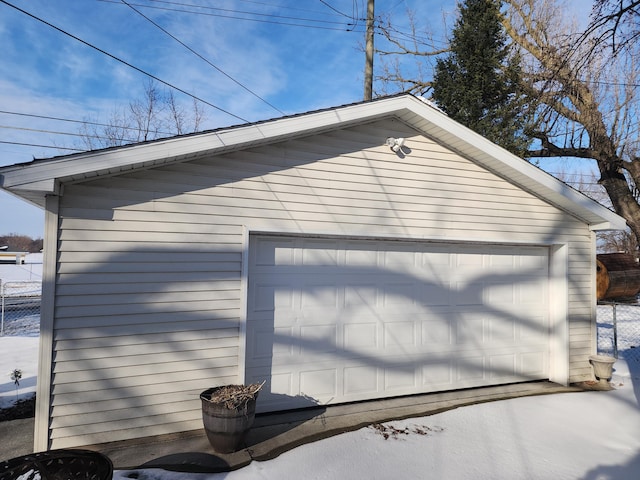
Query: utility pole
368,66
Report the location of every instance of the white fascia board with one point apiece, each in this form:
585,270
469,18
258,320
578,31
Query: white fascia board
48,186
606,226
115,160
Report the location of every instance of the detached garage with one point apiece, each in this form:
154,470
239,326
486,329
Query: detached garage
311,252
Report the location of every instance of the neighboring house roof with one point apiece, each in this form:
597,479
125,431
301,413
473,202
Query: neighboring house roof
34,180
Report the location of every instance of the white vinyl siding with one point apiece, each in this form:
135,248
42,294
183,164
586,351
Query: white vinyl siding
148,294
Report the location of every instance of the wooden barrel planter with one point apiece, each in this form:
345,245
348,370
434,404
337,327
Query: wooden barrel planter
617,276
227,419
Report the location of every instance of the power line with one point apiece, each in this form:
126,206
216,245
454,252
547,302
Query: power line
270,5
41,146
613,84
37,130
288,7
412,37
84,122
349,27
396,5
201,57
204,7
124,62
327,4
230,11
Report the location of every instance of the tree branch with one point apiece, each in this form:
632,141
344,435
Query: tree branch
549,149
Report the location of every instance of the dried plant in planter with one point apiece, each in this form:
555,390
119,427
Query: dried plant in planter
228,412
235,397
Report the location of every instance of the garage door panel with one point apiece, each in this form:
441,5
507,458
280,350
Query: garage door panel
399,335
285,343
500,294
530,292
359,381
336,320
469,258
282,392
437,374
319,253
317,295
469,369
322,383
532,261
438,260
400,381
362,337
469,293
469,329
318,340
503,366
501,331
533,364
358,256
363,295
532,330
398,294
434,295
400,259
308,317
502,263
436,332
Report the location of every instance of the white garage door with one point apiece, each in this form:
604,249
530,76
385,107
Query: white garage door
334,321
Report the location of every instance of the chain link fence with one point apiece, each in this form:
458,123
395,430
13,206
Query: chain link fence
20,307
619,330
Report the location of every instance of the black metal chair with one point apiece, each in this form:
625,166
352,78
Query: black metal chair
58,465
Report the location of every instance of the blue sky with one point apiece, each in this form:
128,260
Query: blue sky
296,55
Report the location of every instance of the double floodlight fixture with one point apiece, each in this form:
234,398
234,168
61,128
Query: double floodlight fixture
395,144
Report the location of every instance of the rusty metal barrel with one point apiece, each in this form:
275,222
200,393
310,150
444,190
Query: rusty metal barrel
617,276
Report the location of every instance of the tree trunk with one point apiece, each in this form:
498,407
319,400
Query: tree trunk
622,198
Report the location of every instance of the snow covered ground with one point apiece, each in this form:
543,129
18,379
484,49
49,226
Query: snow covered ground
30,271
17,353
588,435
20,329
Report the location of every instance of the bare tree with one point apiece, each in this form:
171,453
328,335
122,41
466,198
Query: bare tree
177,115
586,99
417,44
155,115
146,112
181,121
118,130
616,23
21,243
